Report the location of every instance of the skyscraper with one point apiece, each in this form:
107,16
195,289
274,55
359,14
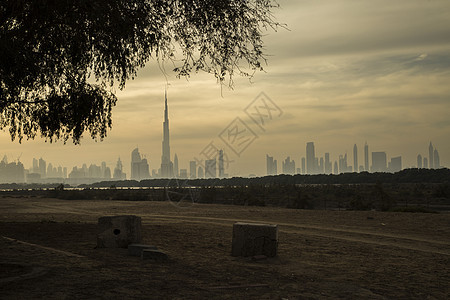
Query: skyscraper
271,165
310,158
288,166
210,168
139,166
431,156
35,166
192,169
425,163
419,161
200,172
396,164
221,166
379,161
118,173
135,161
303,165
175,166
355,158
321,168
42,168
366,157
328,165
166,163
183,174
343,167
436,159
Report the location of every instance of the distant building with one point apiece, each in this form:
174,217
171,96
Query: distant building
303,165
328,164
192,169
343,166
183,174
355,158
336,170
107,173
200,173
288,166
42,168
310,158
379,161
35,166
77,173
139,166
221,165
11,172
396,164
210,168
425,163
436,159
33,178
118,172
95,171
419,161
166,163
321,168
431,156
271,165
366,157
175,166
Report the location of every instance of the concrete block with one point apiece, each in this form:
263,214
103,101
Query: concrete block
118,231
136,249
148,254
251,239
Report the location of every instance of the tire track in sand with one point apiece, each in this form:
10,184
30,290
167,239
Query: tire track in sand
351,235
359,236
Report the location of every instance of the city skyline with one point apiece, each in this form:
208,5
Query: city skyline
345,73
42,171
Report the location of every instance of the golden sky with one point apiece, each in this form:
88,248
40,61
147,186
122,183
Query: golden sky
345,72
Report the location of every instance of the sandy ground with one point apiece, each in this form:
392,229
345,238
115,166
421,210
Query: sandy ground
322,254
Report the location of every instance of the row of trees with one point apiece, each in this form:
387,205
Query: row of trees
404,176
326,196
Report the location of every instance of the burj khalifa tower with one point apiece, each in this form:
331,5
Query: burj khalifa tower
166,163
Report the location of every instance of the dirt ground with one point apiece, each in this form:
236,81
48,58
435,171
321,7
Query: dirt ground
47,250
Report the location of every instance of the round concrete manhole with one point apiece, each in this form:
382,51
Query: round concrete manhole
15,272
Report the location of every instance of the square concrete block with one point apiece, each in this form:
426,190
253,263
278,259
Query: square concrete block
118,231
136,249
251,239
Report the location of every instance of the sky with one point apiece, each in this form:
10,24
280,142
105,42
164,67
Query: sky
343,73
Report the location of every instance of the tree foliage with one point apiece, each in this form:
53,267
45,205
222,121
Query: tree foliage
60,59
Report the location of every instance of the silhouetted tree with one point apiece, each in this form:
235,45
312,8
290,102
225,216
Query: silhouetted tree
59,59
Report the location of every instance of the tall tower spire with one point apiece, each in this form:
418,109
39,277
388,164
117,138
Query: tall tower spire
166,109
166,164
